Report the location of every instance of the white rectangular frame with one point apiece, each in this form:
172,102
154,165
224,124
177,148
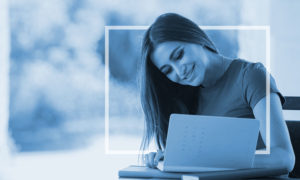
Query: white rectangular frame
264,28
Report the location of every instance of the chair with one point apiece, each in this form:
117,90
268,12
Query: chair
293,103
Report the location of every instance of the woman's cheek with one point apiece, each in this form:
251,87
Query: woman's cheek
173,77
199,74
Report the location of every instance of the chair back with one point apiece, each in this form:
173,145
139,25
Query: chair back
293,103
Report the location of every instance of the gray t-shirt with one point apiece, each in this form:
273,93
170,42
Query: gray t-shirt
237,92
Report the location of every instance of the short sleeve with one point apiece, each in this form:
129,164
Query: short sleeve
254,84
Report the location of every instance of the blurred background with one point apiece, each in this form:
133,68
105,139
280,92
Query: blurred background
52,87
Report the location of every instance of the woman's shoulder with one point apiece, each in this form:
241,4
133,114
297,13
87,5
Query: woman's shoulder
242,67
246,65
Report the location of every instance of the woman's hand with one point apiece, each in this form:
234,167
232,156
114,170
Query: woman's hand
151,159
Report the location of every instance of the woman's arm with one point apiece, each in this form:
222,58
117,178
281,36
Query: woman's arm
281,153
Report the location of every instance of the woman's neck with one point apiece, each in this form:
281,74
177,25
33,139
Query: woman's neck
216,68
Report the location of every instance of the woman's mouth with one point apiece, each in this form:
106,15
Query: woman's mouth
189,74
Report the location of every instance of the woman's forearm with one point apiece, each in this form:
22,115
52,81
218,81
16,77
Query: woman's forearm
277,158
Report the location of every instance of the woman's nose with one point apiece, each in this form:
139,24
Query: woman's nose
180,70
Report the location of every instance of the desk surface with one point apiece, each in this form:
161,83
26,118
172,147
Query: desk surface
142,172
174,179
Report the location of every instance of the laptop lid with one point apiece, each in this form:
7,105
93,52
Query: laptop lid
204,143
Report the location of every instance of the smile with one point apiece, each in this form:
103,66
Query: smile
189,74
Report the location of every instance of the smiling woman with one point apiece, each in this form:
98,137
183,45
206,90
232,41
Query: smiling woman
183,72
188,63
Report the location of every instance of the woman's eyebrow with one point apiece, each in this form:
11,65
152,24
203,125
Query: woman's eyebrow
172,53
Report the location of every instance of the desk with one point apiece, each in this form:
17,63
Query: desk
142,172
174,179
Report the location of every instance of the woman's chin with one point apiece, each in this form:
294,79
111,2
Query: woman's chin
195,82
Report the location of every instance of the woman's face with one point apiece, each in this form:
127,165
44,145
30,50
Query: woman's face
183,63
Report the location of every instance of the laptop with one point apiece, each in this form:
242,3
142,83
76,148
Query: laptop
197,143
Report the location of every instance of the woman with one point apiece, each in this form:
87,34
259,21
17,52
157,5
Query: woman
183,72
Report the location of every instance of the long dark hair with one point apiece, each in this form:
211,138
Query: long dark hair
159,96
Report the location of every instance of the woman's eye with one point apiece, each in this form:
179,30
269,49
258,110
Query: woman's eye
180,54
167,70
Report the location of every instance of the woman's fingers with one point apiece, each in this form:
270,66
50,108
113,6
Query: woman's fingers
158,156
153,158
150,159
